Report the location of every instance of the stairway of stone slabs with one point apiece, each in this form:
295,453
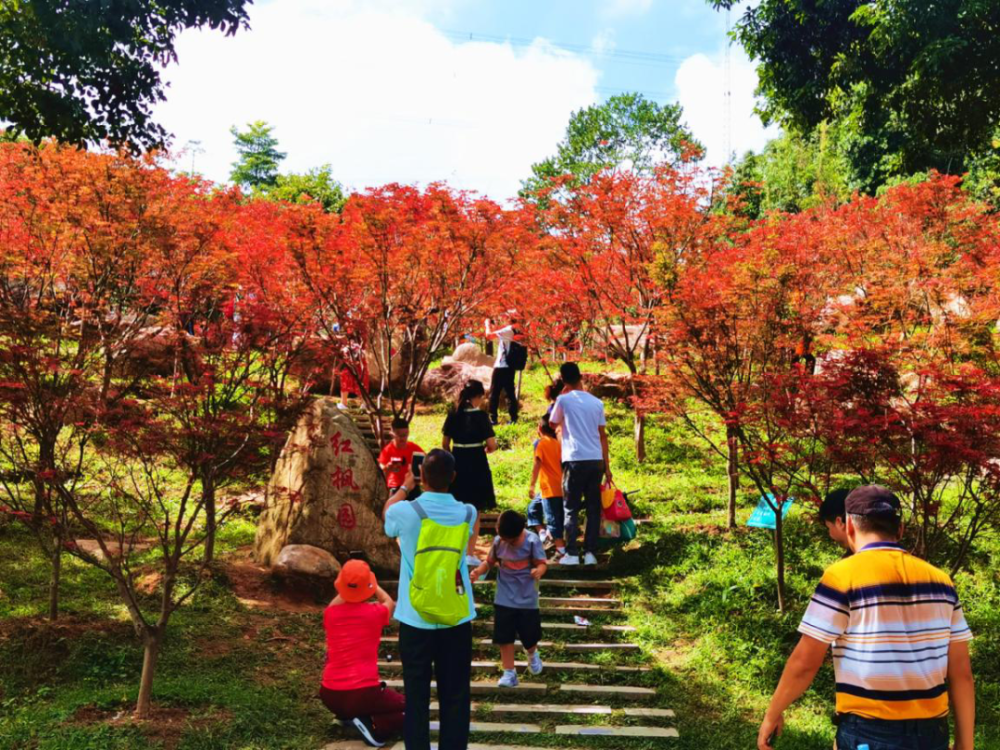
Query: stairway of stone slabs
597,683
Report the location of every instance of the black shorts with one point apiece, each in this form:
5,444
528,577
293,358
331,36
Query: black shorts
510,624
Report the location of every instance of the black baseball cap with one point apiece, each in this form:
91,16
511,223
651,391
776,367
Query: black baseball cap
873,500
833,506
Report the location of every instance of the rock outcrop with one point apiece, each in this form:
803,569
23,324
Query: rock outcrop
327,491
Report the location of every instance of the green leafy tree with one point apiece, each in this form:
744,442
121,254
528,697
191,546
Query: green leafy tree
792,173
84,72
315,185
626,129
259,158
915,83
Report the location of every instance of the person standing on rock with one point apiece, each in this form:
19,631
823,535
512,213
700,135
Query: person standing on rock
505,369
585,462
351,688
469,436
435,631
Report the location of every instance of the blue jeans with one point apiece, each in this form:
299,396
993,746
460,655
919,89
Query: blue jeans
547,511
857,733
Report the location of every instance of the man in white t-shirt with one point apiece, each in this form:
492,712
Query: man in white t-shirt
504,376
585,462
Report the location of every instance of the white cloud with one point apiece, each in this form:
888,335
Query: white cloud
626,7
604,43
700,83
378,92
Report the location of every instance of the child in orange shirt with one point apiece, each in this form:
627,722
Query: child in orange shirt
545,512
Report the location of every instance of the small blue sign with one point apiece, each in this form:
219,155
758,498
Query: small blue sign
763,517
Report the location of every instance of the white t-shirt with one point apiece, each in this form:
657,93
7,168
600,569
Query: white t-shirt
579,415
504,336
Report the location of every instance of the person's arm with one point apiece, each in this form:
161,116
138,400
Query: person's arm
962,694
399,495
799,673
605,453
535,471
556,415
385,600
479,571
491,445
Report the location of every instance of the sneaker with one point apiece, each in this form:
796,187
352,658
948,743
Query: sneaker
535,665
364,725
472,561
508,679
589,559
569,560
544,536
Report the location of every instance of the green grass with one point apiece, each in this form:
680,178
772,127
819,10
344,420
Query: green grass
701,596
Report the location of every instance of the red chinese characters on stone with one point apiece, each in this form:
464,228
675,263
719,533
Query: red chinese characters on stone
346,518
343,479
340,444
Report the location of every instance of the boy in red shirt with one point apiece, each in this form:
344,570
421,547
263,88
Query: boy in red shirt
351,687
396,458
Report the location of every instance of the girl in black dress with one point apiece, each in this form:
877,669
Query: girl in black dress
469,436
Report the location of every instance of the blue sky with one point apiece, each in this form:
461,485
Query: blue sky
471,92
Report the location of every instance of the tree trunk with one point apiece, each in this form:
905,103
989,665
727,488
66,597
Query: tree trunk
733,471
56,575
152,641
779,555
640,436
208,493
639,419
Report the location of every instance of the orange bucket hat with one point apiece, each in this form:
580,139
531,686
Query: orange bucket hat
356,582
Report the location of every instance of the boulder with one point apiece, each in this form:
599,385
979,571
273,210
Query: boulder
92,548
445,382
307,561
608,385
470,354
327,491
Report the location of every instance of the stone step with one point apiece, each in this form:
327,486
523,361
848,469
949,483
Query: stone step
581,611
584,730
564,666
490,687
577,648
576,571
625,692
556,583
570,626
568,710
579,601
359,745
477,727
565,627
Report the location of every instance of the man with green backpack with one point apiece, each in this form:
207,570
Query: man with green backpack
434,607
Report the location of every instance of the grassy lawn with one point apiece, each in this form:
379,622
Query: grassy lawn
234,677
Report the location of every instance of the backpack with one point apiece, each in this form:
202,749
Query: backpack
517,355
435,587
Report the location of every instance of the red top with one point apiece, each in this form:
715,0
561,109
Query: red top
395,472
353,633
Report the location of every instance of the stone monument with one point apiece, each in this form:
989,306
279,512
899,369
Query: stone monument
327,491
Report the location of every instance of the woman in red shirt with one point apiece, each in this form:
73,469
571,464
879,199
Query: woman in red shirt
351,686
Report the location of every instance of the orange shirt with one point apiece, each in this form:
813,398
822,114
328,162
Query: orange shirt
549,451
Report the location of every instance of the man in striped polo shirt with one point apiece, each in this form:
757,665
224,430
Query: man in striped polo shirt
899,641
